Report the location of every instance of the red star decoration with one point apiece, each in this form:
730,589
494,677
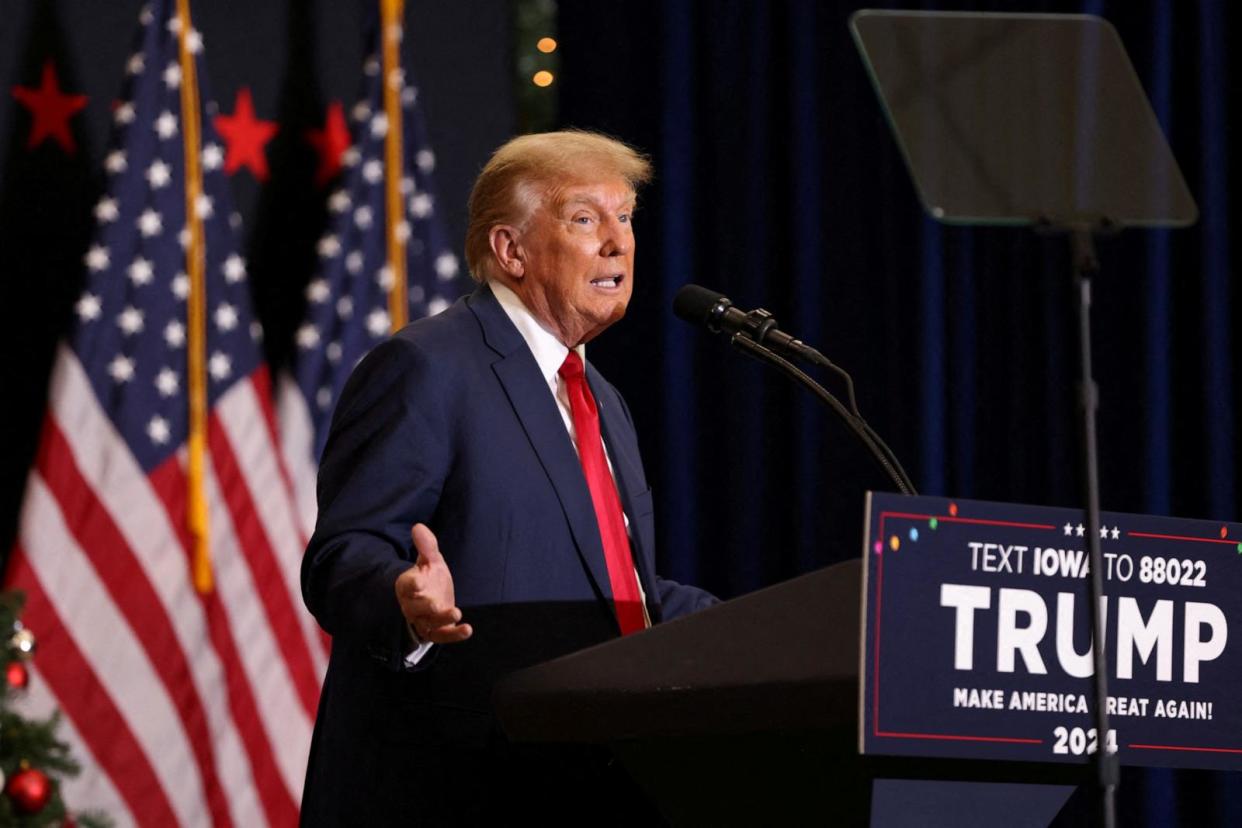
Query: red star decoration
330,142
246,137
51,110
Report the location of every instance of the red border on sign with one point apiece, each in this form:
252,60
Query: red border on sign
879,606
875,668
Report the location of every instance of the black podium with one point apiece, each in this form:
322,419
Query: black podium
742,712
745,713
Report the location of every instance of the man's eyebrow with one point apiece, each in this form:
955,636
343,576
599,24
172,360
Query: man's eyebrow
590,201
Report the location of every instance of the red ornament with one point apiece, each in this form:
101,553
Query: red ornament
29,789
246,137
50,110
330,142
17,674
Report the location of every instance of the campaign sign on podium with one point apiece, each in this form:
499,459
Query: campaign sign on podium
978,635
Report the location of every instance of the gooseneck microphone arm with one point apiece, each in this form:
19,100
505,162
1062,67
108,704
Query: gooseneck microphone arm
856,424
756,333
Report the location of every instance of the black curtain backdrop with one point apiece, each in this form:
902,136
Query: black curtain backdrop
780,185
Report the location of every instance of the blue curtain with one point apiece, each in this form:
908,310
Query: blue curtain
780,185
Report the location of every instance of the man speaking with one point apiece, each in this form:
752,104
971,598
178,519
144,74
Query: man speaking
483,507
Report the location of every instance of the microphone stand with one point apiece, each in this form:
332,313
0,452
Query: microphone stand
1085,266
883,456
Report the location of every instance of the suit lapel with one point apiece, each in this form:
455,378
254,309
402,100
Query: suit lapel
627,475
537,411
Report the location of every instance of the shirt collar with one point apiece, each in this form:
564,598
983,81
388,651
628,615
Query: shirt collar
549,352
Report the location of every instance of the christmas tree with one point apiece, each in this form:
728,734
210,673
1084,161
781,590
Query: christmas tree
33,762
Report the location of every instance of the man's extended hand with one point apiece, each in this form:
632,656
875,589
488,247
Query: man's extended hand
425,593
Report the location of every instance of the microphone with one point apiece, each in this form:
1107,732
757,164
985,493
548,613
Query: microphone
701,306
755,332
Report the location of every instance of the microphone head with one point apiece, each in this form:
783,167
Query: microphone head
698,305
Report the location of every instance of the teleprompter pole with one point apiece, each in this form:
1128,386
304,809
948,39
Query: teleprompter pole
1085,266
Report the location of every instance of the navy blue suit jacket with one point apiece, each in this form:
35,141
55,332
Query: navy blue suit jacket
450,423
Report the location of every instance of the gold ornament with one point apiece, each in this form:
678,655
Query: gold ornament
23,641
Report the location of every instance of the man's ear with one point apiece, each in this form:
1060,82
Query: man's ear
507,250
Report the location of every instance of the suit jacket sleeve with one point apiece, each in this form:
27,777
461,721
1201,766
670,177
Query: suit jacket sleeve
382,470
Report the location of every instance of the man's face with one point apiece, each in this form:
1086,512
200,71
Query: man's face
578,258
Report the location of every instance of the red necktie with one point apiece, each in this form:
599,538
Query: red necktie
603,488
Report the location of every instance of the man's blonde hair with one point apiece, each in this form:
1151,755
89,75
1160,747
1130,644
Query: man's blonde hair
512,182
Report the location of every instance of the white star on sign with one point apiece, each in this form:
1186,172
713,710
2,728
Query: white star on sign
1069,530
219,366
88,307
166,382
234,269
378,322
174,334
1079,529
172,75
157,430
166,125
1116,533
97,258
140,272
130,320
105,210
317,291
226,317
121,368
149,223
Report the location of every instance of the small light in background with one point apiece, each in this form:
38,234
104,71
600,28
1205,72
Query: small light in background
543,78
547,45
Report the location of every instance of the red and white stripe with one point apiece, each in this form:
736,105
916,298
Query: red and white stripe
197,709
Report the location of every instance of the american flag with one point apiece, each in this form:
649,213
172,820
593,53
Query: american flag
185,707
347,300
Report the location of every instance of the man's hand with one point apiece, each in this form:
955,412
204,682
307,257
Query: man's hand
425,593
